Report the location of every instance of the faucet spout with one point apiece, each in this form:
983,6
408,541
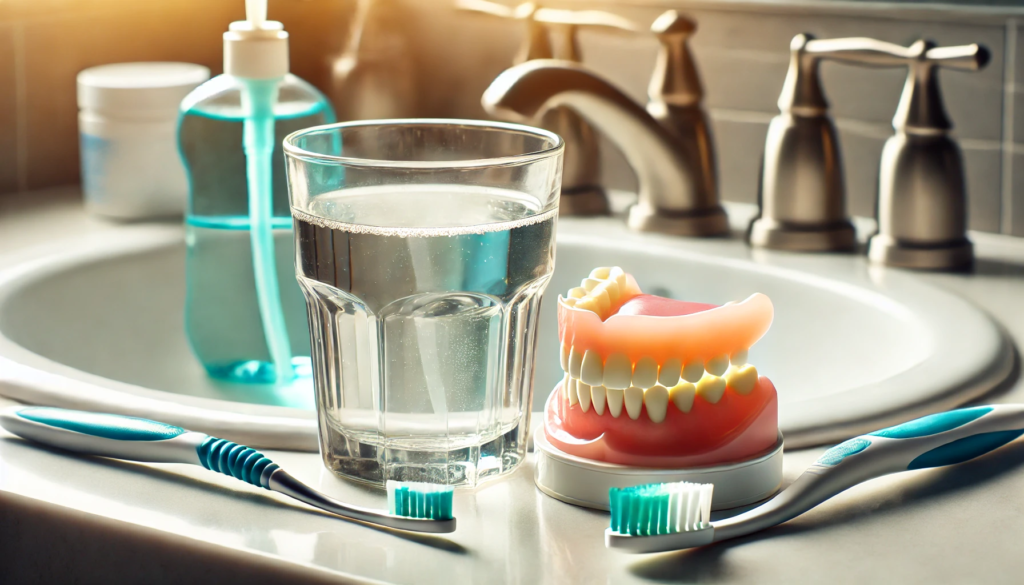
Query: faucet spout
672,197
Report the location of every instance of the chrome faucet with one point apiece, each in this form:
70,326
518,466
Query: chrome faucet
922,199
803,196
921,193
582,192
669,147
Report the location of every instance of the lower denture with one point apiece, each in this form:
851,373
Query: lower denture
735,428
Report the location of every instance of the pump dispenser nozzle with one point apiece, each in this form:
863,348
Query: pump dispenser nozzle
256,48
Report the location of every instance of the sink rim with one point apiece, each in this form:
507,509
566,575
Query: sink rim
29,377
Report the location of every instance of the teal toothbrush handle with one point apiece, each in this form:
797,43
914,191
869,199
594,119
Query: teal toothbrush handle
136,439
936,440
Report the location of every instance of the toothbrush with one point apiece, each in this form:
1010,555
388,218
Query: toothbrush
416,507
664,517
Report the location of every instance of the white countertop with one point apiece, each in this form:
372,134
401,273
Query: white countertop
107,520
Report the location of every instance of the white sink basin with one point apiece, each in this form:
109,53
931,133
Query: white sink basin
99,326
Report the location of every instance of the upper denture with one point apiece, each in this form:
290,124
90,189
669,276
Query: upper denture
703,335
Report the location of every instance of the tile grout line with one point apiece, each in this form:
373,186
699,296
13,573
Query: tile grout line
20,109
1009,91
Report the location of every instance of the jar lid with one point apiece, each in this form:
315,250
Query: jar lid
153,88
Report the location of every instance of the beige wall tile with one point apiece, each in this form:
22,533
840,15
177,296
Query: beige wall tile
982,168
8,113
861,154
1017,195
740,148
317,32
457,56
742,58
58,47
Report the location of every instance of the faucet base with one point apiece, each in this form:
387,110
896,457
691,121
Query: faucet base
701,224
949,256
834,237
583,201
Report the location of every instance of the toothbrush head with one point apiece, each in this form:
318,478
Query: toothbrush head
420,500
660,517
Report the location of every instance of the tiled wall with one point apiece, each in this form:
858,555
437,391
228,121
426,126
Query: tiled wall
741,49
44,43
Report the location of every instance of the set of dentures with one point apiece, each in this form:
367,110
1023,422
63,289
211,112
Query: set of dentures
630,380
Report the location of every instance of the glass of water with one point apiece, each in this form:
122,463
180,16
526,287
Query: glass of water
423,248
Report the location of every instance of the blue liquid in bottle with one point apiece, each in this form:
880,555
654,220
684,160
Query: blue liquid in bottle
222,317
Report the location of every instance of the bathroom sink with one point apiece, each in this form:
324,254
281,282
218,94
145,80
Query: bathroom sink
98,325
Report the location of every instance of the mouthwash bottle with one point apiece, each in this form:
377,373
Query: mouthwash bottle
223,319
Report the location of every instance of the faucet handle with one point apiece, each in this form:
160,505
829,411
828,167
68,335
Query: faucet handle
802,92
859,50
674,100
920,109
673,24
802,192
675,80
537,44
964,57
922,193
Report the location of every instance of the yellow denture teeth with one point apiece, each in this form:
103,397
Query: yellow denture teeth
598,395
633,398
615,399
618,371
592,370
645,372
717,366
656,401
583,393
668,375
682,395
599,292
575,363
742,379
711,388
693,371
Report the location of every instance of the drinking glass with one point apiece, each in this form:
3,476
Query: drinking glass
423,248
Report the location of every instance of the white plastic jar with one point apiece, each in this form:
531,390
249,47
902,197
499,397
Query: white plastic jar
127,122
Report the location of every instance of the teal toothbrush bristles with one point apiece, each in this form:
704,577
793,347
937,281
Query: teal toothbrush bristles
660,508
420,500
